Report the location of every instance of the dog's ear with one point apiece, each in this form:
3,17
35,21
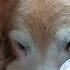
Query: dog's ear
6,7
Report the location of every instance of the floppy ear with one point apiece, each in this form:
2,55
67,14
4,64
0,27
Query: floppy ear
6,7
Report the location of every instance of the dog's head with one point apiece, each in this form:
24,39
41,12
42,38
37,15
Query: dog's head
35,34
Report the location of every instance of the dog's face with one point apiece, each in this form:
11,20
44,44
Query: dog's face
38,34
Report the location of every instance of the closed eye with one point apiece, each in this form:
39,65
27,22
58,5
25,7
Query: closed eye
22,40
68,46
22,48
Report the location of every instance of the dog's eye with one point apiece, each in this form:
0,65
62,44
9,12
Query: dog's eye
23,48
68,46
22,40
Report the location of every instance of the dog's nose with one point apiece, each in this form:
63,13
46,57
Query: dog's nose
66,65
